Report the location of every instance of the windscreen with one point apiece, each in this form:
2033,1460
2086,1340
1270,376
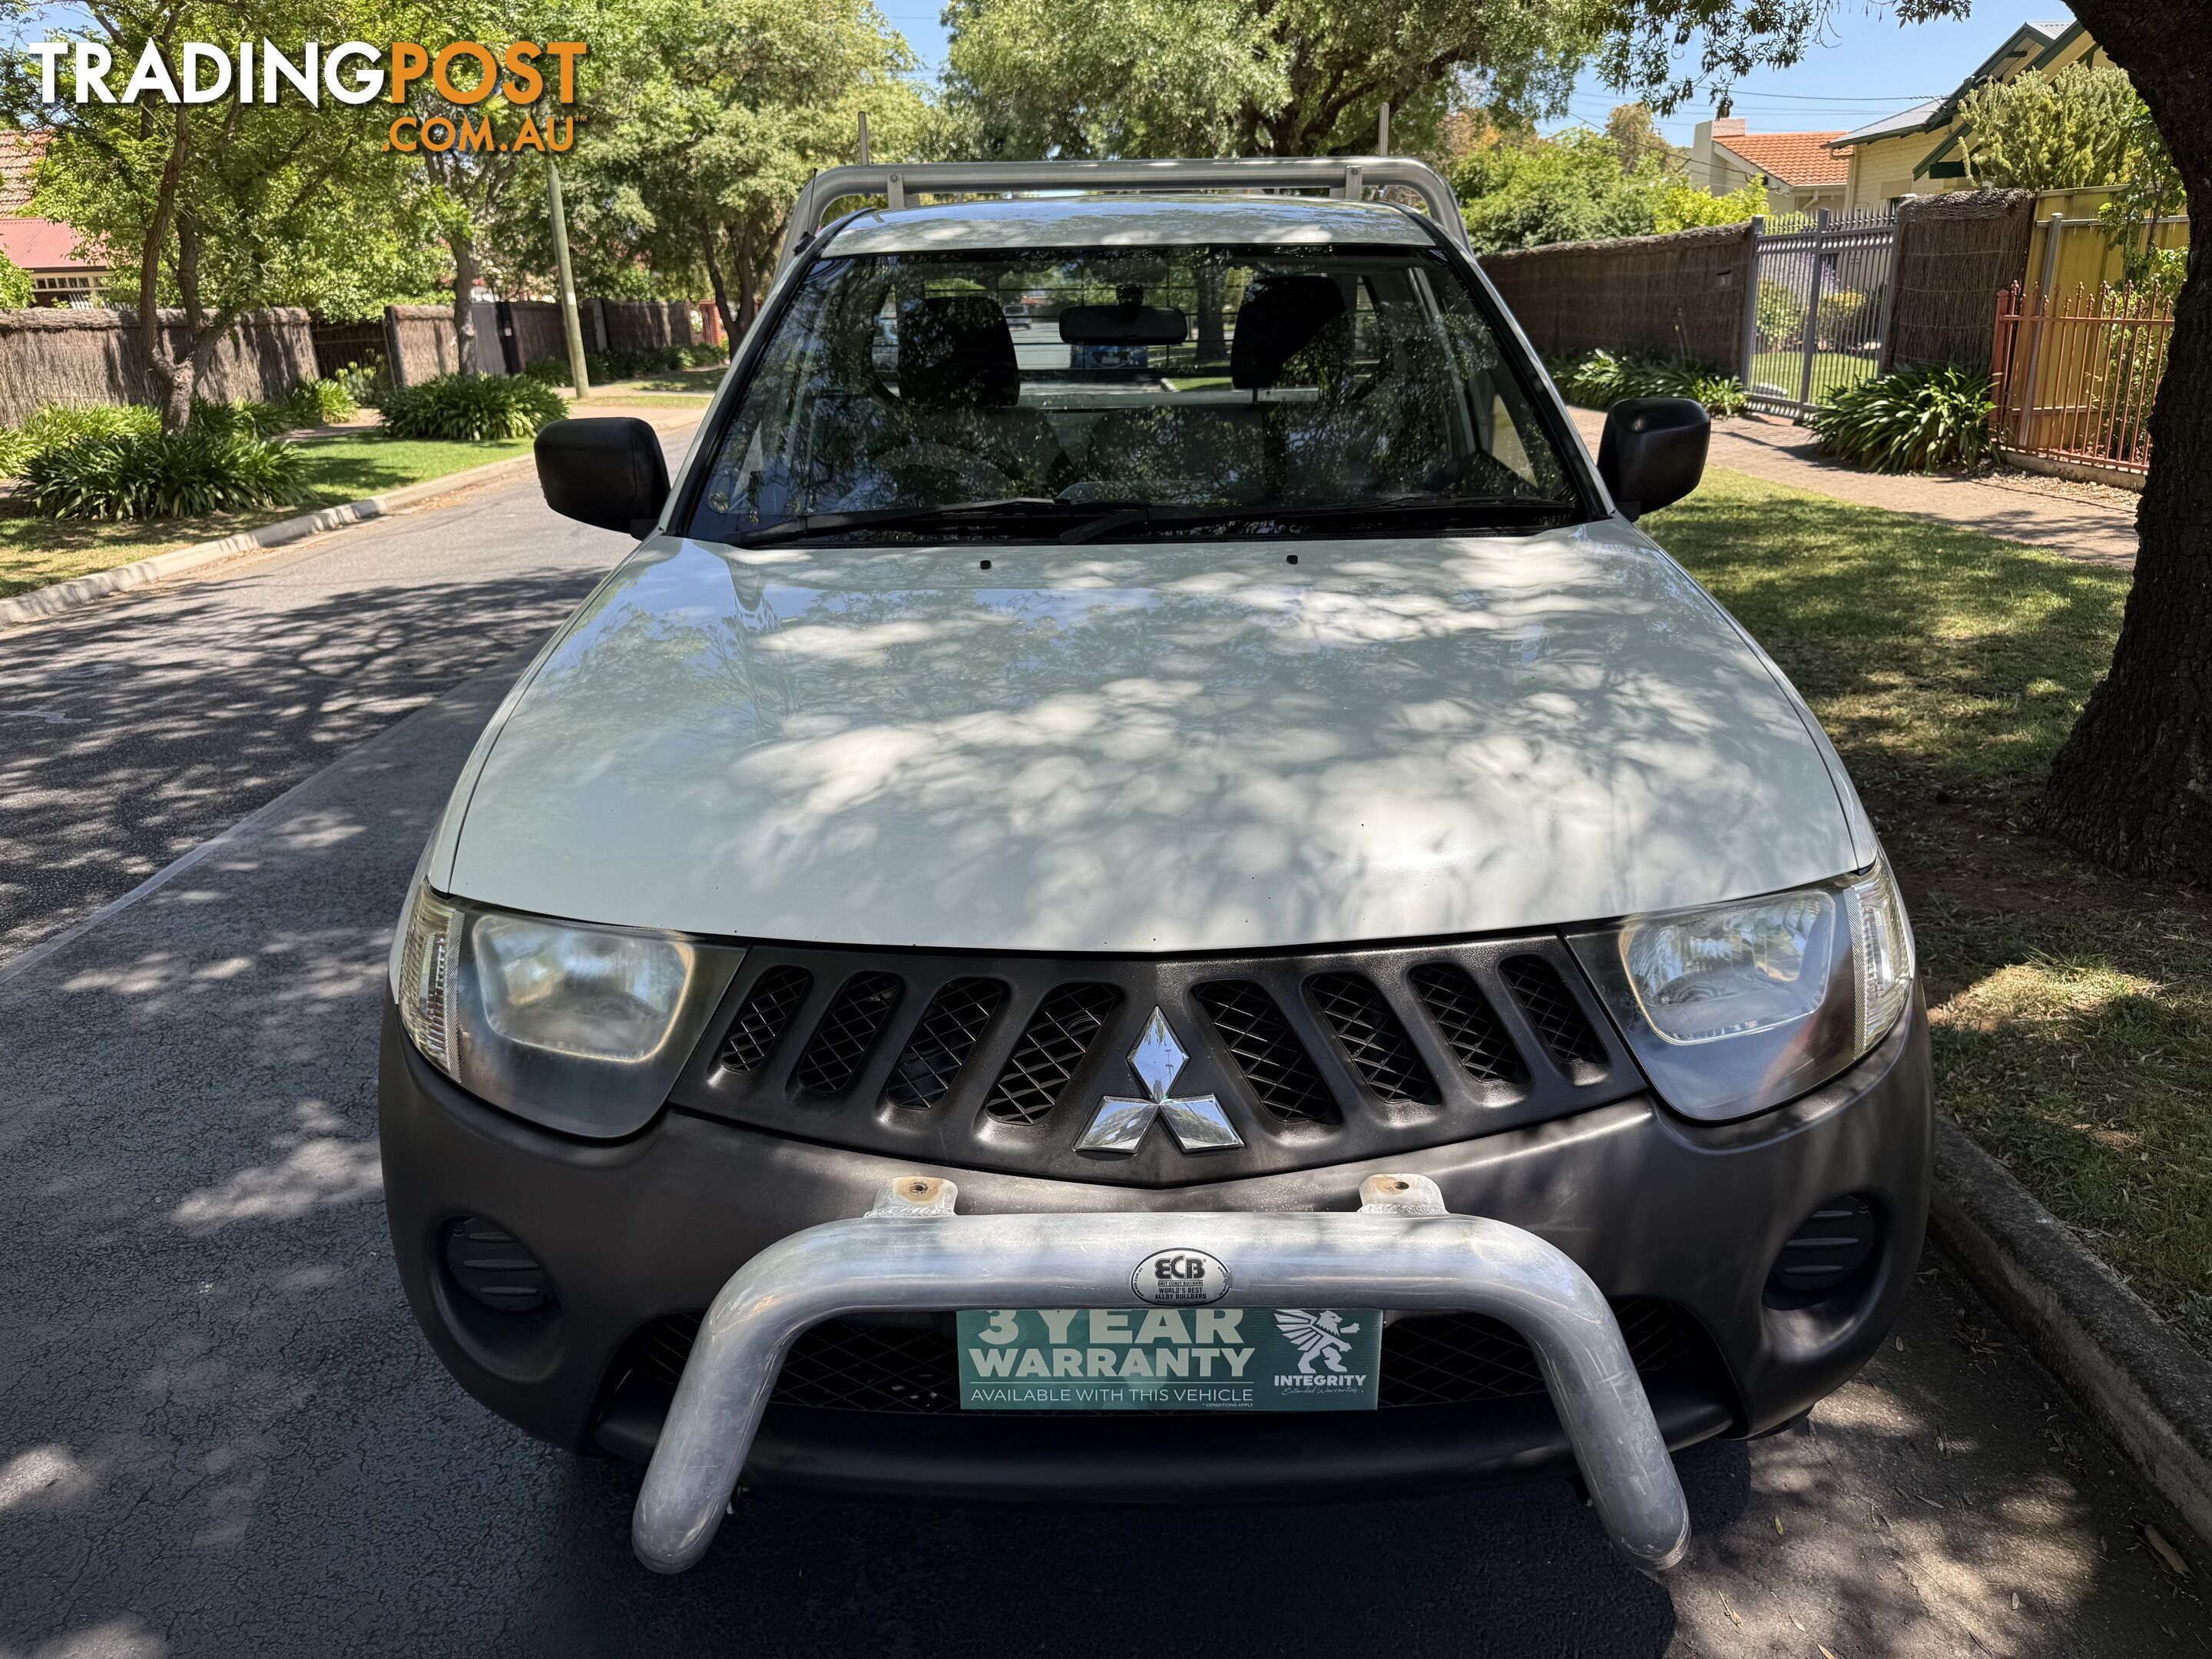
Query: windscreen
1165,389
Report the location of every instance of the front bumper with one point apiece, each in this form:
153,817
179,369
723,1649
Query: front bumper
1645,1204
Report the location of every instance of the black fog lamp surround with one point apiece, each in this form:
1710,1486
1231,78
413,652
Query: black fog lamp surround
492,1268
1824,1255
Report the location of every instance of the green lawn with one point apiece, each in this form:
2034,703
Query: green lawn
1831,370
34,551
2072,1008
682,382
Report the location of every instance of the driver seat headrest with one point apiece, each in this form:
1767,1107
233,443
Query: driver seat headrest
955,351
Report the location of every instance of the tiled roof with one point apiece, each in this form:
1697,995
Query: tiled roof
1795,158
42,245
19,152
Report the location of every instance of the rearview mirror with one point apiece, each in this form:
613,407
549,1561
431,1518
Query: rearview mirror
1653,451
1144,325
608,472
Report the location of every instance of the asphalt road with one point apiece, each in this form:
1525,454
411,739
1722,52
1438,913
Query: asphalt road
220,1434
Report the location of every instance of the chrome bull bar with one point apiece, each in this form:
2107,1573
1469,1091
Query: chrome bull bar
1400,1250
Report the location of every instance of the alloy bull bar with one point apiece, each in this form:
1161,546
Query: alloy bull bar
1400,1250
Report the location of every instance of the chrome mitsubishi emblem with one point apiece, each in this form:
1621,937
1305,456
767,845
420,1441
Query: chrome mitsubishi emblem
1197,1121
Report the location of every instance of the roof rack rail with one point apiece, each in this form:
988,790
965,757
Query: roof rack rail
1347,178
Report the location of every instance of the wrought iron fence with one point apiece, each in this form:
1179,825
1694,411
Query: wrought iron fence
1816,306
2074,378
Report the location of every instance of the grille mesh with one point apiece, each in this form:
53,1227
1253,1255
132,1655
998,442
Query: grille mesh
1372,1037
772,1001
1463,1015
1272,1058
1559,1021
1430,1359
1051,1047
940,1045
847,1031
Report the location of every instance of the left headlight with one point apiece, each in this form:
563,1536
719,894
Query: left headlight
581,1028
1737,1007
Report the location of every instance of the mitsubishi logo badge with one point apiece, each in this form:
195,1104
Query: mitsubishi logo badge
1197,1121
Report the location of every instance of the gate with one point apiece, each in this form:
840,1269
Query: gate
1817,306
2074,377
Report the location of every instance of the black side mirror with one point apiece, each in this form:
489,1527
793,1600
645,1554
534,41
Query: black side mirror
608,470
1653,451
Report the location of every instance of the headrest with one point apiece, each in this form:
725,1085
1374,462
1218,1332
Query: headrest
1281,316
955,351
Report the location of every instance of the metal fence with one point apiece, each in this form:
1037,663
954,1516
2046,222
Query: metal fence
1816,306
2074,378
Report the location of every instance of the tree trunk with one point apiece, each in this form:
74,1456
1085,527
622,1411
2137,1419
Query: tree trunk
721,289
464,288
2132,786
748,280
172,379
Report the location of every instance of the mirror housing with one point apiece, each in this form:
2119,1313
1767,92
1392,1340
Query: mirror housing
607,470
1653,451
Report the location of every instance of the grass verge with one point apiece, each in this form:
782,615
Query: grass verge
681,382
2072,1008
35,552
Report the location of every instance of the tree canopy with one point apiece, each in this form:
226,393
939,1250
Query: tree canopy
1525,191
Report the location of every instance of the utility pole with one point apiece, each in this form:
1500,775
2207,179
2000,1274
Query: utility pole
863,156
1382,132
567,279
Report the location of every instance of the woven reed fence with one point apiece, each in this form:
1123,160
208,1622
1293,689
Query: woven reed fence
68,356
1678,295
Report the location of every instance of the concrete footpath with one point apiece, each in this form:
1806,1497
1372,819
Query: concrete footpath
2020,510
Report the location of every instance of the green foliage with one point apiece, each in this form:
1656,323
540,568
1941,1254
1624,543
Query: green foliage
1240,77
2071,130
1681,205
604,367
1915,420
1570,188
241,416
1838,322
472,406
1600,379
1780,318
160,475
15,285
319,401
53,424
2149,190
360,382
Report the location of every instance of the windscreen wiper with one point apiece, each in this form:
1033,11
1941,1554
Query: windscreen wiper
1511,509
827,524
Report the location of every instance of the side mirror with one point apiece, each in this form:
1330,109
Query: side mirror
608,470
1653,451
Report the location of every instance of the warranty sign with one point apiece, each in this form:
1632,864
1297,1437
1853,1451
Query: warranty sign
1172,1358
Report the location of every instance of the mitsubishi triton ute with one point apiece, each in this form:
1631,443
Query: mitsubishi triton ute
1144,889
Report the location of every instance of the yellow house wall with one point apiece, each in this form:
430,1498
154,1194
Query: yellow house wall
2085,259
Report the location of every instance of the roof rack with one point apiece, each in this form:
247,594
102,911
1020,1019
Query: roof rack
1347,178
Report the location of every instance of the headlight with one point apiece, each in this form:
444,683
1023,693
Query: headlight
581,1029
1738,1007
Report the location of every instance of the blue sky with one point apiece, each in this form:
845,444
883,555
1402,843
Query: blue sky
1867,66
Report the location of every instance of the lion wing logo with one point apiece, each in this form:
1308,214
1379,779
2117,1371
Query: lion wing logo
1316,1336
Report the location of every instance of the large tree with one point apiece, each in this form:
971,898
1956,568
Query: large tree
215,207
743,102
1242,77
2133,784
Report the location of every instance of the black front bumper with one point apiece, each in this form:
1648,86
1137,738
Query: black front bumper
1650,1206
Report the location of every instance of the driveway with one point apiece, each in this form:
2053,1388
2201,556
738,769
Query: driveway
220,1434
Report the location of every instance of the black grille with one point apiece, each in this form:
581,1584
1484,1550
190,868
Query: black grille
1273,1061
841,1041
775,998
1553,1010
1463,1015
1375,1043
940,1045
1052,1048
495,1267
1429,1360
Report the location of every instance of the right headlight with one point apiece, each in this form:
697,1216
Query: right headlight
579,1028
1733,1008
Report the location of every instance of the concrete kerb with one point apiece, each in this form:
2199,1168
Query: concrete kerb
42,603
2146,1387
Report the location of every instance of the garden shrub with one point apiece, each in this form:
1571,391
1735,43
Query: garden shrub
1780,319
161,475
242,416
704,355
1600,379
51,424
319,401
460,407
549,371
1837,320
1915,420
